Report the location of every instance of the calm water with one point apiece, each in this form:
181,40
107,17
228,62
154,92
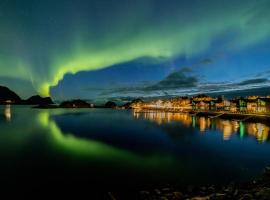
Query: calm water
111,148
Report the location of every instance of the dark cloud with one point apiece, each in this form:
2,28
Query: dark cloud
263,74
181,82
253,81
176,80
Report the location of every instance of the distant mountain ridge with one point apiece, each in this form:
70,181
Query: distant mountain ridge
35,100
8,96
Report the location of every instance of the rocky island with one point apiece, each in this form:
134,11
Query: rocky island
75,104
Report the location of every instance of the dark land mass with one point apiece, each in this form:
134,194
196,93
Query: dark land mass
110,104
75,104
7,95
38,100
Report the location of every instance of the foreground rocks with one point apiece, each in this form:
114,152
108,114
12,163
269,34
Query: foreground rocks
257,189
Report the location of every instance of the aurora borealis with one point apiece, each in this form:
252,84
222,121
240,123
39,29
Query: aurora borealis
96,49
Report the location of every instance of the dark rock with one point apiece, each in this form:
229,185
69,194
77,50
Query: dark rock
110,104
169,195
166,189
75,104
8,96
246,197
157,191
144,193
235,193
178,195
211,189
163,198
38,100
200,198
263,194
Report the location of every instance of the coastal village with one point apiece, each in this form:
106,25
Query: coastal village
204,103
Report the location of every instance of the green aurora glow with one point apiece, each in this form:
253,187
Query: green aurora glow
102,35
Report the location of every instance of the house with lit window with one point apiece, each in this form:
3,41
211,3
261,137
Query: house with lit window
252,105
242,105
261,105
203,102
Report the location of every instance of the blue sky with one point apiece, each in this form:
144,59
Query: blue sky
94,49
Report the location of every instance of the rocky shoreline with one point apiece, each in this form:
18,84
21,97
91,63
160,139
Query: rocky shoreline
256,189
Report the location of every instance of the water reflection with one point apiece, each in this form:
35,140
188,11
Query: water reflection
95,150
7,112
37,141
228,127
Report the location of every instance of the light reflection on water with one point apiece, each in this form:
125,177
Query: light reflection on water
7,112
228,127
38,139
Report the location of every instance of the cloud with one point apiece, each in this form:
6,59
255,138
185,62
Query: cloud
253,81
181,83
105,34
176,80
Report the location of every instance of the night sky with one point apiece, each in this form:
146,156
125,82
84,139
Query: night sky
99,49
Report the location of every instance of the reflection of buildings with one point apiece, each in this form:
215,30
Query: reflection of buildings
258,130
227,127
7,112
163,117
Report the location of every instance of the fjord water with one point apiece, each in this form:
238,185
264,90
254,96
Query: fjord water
116,148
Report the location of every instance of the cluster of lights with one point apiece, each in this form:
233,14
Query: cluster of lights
252,104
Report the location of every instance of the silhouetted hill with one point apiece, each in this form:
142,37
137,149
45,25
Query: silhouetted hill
7,95
110,104
75,104
38,100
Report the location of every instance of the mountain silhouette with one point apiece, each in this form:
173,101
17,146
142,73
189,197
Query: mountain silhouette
6,95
